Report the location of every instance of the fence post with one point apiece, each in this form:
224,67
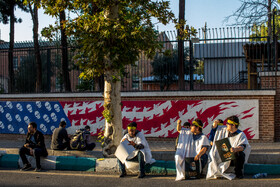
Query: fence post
191,65
48,70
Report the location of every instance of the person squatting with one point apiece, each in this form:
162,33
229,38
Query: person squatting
192,143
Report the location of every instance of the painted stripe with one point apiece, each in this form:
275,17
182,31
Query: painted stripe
9,161
272,169
75,164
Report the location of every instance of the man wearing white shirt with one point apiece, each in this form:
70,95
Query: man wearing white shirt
138,141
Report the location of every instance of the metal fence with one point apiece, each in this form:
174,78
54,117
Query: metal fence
217,59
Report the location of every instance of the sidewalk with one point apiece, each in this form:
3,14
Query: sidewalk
264,157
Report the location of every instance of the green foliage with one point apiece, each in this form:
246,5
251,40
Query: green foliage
115,31
107,115
6,7
86,85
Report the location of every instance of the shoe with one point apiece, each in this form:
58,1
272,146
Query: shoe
37,169
122,174
26,167
141,175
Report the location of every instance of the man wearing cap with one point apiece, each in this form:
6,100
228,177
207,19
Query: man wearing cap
142,151
192,143
239,146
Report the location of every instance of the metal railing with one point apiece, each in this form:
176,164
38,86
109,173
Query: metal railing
219,60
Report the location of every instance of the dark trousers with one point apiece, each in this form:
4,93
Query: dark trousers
63,146
203,159
238,162
139,158
37,153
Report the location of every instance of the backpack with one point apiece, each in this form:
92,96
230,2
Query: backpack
78,141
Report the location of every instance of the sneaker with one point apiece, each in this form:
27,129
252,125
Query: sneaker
37,169
141,175
122,174
26,167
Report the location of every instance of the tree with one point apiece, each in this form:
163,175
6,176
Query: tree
111,34
7,10
254,12
57,9
24,77
34,15
165,68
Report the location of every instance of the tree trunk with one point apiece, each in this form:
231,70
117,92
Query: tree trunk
112,113
64,48
34,15
112,96
11,51
181,47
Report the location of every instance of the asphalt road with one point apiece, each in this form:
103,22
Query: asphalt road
79,179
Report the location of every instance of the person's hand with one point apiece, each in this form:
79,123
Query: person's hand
123,140
233,150
215,124
26,145
132,143
179,122
211,143
197,157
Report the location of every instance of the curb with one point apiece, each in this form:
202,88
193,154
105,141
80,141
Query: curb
72,163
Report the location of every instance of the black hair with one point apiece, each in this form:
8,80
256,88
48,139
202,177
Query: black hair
186,124
220,121
33,124
234,119
62,123
132,124
199,123
87,127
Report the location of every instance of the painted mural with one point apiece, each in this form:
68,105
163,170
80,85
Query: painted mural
154,118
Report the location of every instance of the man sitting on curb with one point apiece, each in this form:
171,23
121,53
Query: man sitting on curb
60,139
34,146
143,152
239,146
192,143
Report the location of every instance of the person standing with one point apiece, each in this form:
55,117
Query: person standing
34,146
60,139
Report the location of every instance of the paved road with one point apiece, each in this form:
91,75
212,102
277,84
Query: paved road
79,179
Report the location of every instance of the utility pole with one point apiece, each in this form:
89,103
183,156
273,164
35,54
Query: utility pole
181,46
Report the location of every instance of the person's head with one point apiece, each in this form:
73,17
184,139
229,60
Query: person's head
220,122
87,128
32,127
196,126
131,128
232,123
62,124
187,125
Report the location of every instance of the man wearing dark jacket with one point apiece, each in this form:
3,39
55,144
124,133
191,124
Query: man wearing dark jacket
60,139
34,146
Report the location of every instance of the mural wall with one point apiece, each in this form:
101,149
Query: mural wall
154,118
